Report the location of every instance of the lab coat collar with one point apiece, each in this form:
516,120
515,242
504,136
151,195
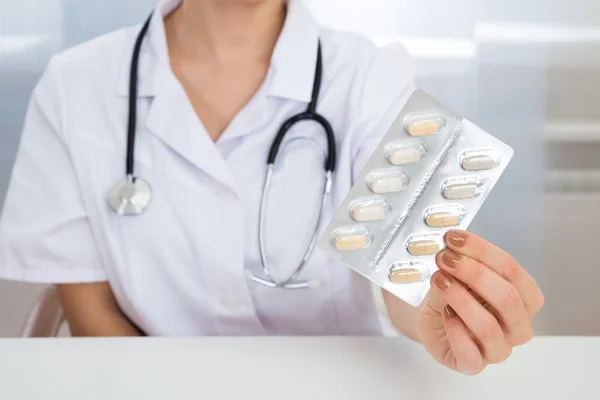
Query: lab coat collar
294,58
290,76
169,118
292,64
154,56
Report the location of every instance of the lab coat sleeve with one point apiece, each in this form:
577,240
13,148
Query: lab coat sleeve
388,83
45,235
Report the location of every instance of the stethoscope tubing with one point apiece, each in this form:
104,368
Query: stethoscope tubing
133,92
135,194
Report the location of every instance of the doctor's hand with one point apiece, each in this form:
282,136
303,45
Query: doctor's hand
480,305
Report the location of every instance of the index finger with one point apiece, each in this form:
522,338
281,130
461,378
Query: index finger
499,261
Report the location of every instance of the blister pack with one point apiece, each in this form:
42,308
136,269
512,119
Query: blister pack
431,173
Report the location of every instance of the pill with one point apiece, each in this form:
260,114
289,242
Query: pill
479,160
369,213
407,275
408,272
423,247
387,185
351,242
387,181
404,154
351,238
443,217
370,210
424,127
462,188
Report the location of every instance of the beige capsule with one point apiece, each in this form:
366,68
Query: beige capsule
351,238
408,272
444,216
405,276
351,242
441,219
423,247
424,127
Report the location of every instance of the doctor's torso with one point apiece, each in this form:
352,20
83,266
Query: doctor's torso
182,266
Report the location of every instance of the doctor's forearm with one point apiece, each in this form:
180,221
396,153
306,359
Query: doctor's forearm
110,324
403,316
92,311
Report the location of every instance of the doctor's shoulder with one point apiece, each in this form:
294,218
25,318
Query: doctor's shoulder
383,79
92,66
81,78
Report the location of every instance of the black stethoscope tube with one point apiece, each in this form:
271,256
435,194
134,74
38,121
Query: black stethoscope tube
309,114
131,196
133,92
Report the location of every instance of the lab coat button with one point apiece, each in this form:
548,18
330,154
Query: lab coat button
229,301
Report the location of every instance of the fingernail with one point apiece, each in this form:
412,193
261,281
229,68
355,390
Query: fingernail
457,238
450,313
450,258
442,281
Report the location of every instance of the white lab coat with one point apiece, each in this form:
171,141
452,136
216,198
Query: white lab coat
181,267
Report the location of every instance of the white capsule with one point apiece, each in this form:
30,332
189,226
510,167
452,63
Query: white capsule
387,180
351,238
462,188
368,210
425,125
404,273
480,160
444,216
398,153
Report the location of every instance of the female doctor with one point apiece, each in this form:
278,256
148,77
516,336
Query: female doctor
138,183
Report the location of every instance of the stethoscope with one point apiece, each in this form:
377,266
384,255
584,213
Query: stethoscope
131,195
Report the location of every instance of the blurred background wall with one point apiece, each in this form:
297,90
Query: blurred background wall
525,71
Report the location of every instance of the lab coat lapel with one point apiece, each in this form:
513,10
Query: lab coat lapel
173,120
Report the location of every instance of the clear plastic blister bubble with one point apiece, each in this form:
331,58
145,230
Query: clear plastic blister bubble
431,173
424,245
351,238
404,273
387,180
404,153
462,188
480,160
444,216
424,125
370,209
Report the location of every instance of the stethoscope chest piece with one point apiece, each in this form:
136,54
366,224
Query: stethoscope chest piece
129,196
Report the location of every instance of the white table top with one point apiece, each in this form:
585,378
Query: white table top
285,368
